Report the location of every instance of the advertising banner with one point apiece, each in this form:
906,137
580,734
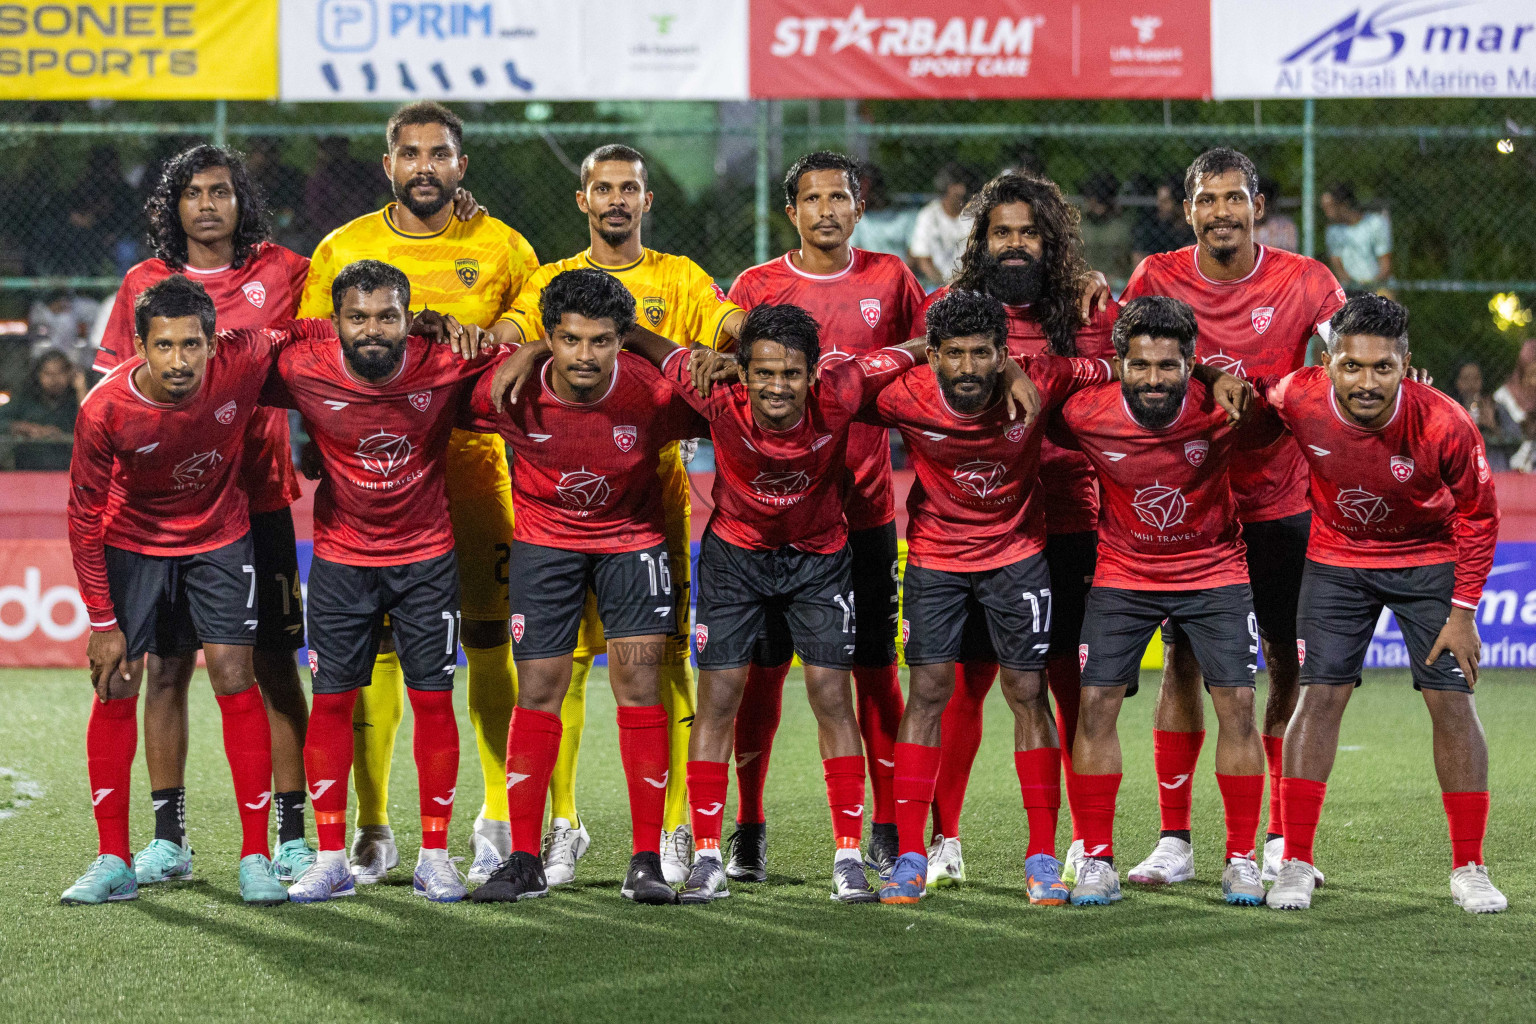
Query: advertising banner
514,50
1325,48
188,49
979,49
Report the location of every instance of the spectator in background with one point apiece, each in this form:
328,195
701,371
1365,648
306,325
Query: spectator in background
1501,434
1517,397
100,217
1163,228
1021,158
42,413
941,229
1359,243
340,189
883,228
62,321
1106,233
1275,229
282,186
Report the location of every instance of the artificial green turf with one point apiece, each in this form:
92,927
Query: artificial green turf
1382,942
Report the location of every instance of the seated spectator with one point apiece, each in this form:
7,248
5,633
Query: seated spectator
1106,233
43,412
1275,229
1163,229
62,321
883,228
1517,397
1359,243
942,227
1501,434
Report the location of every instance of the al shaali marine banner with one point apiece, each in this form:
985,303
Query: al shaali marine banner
1324,48
189,49
514,50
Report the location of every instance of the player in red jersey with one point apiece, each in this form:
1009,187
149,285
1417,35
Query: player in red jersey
160,535
1025,251
1403,517
975,551
1258,308
380,404
590,516
1169,549
208,222
863,301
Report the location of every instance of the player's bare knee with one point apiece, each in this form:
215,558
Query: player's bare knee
1234,709
230,668
1023,688
830,694
929,690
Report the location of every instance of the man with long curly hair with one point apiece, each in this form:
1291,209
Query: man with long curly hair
1025,250
207,221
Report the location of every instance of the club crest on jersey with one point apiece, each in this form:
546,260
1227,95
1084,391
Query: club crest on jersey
518,625
314,661
700,636
1160,506
581,488
1015,433
468,271
420,400
1483,472
1082,657
654,307
226,413
1196,451
870,310
1262,318
980,477
1361,505
625,437
906,631
1402,468
255,293
383,453
1301,651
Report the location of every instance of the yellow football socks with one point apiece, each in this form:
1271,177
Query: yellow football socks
375,721
573,718
492,695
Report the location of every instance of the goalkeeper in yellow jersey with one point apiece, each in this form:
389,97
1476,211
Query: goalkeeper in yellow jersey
471,270
678,300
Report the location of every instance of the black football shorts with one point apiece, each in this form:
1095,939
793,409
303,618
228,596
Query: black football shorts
1014,600
279,601
1339,611
347,606
173,604
1071,557
1218,622
1276,553
739,589
549,590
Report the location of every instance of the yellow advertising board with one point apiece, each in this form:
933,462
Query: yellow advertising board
99,49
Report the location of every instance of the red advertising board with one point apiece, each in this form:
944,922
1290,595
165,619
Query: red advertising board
980,49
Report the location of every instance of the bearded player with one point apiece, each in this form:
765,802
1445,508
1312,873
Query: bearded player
1026,252
863,301
1404,517
1258,308
208,222
680,302
1169,549
471,270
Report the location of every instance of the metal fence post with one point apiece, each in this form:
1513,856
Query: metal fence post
220,123
760,200
1308,178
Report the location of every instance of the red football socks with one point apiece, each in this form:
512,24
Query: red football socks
917,767
643,749
435,743
877,693
1097,813
533,744
757,720
328,764
1174,755
1273,748
1065,680
1302,802
845,796
248,747
1242,796
111,740
707,781
1467,814
959,739
1040,783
